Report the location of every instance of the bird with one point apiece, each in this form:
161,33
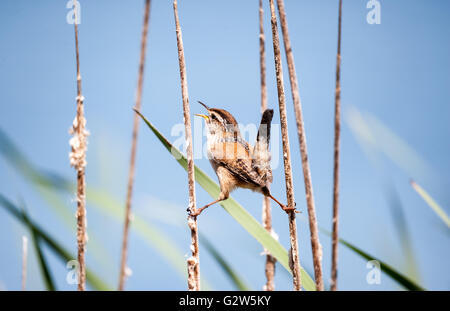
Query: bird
236,163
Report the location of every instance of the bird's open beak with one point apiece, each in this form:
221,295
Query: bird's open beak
206,107
204,116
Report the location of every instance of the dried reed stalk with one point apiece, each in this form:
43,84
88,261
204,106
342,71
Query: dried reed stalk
78,160
193,262
266,212
294,262
24,261
315,244
337,138
123,264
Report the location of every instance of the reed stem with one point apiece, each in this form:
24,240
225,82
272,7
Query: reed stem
295,262
315,243
77,156
193,262
131,172
337,138
24,261
266,210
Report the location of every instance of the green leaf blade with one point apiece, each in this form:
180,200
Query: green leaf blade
226,267
42,261
431,203
41,235
401,279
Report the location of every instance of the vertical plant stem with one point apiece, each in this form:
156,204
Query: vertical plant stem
266,210
337,138
270,260
78,160
24,261
194,261
262,58
295,262
315,244
123,264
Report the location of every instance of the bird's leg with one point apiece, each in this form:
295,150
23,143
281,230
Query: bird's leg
199,210
221,198
226,185
283,207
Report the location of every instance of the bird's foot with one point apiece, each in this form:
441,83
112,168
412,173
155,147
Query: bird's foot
196,212
289,209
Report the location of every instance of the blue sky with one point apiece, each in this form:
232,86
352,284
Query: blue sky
396,73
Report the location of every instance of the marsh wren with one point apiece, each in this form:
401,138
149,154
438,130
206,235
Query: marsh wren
236,163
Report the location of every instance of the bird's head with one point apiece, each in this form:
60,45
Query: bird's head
219,121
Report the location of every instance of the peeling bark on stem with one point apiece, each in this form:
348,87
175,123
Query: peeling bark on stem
295,262
266,213
123,264
337,138
315,244
78,160
193,263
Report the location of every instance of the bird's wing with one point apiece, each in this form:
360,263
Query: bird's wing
236,158
261,161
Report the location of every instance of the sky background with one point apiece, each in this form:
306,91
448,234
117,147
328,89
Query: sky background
395,82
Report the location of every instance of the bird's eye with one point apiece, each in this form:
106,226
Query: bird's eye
214,117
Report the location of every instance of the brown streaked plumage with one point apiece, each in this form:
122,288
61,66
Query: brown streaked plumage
236,163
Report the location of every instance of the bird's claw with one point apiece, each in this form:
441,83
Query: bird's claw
191,213
290,209
194,213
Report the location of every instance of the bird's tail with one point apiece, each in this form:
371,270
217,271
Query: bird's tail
261,154
264,127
